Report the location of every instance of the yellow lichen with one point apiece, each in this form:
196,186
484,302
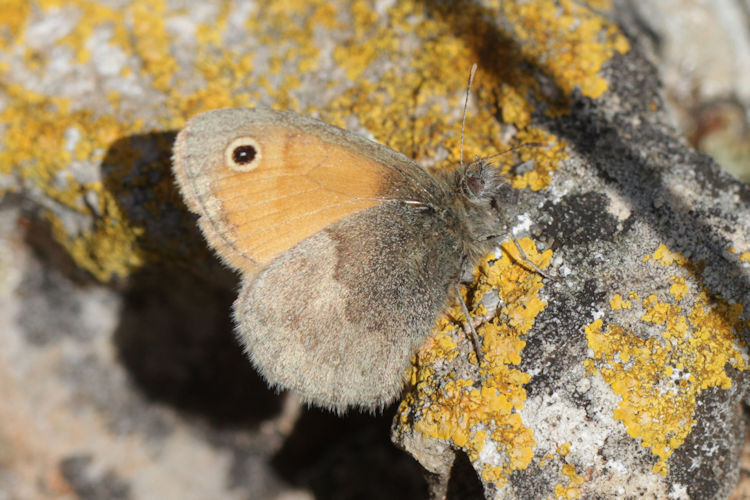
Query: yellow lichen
498,87
471,415
12,21
667,257
660,378
617,302
405,71
414,107
679,288
109,247
574,480
570,39
151,42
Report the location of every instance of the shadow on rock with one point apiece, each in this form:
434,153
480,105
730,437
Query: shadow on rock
349,457
175,334
137,172
175,338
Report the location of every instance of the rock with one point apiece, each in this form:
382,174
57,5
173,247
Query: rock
621,374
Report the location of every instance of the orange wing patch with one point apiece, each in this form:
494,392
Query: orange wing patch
301,185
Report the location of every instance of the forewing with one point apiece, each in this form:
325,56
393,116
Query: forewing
307,175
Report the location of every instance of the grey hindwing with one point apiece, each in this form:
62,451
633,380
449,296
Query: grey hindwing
337,318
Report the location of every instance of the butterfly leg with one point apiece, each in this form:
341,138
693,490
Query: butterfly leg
474,336
528,261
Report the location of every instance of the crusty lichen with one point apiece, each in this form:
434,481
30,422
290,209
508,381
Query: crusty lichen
571,490
694,336
414,107
43,137
481,418
400,70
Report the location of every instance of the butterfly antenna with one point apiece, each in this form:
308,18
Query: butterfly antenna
513,148
463,120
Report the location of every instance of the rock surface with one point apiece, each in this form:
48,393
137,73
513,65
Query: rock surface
623,375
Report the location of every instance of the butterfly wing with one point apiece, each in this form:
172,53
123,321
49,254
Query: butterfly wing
353,277
303,175
337,318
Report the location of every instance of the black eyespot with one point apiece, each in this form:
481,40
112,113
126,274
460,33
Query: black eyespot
242,155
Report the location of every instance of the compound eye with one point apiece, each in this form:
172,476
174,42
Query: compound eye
475,184
242,154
